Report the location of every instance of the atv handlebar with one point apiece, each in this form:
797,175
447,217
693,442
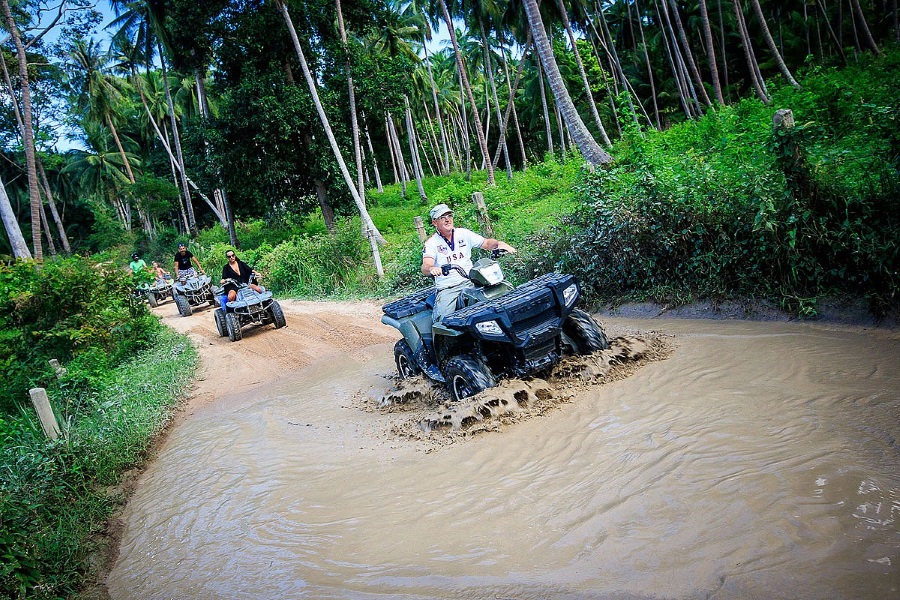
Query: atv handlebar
495,254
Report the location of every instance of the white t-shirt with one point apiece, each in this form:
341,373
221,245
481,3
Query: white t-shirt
457,252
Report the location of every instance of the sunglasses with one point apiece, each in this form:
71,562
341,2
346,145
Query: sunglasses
230,256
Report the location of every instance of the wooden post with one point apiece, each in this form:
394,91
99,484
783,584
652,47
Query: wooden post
481,213
42,405
783,117
59,370
376,255
420,229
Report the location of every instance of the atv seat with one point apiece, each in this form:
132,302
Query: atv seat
413,304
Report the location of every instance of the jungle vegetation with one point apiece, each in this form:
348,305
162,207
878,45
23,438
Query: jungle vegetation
629,142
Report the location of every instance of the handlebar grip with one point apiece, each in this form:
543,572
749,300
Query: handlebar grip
445,269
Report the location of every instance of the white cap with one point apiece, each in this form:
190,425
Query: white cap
439,211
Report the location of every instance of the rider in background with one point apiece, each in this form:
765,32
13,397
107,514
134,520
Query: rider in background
160,273
451,245
137,264
183,268
240,272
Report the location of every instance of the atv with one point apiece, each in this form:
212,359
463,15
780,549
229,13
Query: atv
193,291
497,330
157,291
249,306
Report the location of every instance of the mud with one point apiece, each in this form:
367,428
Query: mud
428,414
757,460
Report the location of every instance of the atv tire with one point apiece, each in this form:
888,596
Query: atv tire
151,300
467,376
233,323
583,333
405,361
184,307
277,315
221,325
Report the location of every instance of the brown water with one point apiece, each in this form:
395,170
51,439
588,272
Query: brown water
761,460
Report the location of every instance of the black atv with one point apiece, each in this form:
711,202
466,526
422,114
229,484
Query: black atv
496,331
193,291
249,306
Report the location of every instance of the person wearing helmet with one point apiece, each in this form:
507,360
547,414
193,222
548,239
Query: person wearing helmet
183,259
137,264
451,245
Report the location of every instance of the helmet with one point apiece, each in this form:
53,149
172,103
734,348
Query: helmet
135,256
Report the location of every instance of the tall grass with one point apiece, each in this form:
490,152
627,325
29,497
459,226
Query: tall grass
55,495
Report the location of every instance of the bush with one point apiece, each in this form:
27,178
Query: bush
64,309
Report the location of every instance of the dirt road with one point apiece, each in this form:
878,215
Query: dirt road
758,460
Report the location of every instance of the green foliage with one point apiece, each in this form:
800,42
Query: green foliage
724,207
319,265
61,310
52,494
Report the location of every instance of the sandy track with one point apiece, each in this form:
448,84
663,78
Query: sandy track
314,330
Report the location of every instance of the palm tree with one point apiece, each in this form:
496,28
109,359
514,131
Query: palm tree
588,146
581,71
101,94
11,224
311,83
772,47
467,88
28,141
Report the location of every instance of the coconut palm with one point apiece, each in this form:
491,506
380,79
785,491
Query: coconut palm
28,141
586,143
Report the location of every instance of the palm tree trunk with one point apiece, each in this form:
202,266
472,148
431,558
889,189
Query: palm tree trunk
546,108
588,146
647,61
748,52
460,65
45,226
510,107
28,141
671,54
711,52
465,124
398,149
437,112
722,43
414,151
870,41
489,67
360,205
513,90
584,80
372,154
772,47
11,224
688,55
354,124
614,59
192,221
392,153
834,38
61,230
115,134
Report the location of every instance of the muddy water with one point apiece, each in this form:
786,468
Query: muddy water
760,460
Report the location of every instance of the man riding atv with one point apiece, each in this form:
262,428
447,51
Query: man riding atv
451,245
487,328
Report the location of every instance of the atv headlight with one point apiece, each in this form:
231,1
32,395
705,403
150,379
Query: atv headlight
492,274
570,293
489,328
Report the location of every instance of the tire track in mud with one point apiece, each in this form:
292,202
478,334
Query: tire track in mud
425,413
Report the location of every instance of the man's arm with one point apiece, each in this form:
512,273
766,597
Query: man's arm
428,267
197,262
492,244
